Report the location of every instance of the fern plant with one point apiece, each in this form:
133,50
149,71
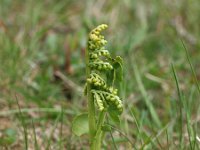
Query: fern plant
102,71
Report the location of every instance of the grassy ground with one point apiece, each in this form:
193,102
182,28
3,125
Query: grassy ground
40,88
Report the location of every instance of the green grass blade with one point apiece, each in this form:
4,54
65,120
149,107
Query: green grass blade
35,137
191,66
143,91
123,134
61,131
190,129
137,126
113,140
21,118
180,107
167,139
52,130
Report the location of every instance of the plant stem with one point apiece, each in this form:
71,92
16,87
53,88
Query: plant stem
91,106
99,133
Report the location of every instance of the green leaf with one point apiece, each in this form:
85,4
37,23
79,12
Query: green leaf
80,124
109,77
9,137
106,128
114,114
117,72
114,117
118,67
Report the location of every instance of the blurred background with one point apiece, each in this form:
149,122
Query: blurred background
42,45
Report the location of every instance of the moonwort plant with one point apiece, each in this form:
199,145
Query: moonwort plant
102,72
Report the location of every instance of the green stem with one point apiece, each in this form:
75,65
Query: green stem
91,106
98,138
